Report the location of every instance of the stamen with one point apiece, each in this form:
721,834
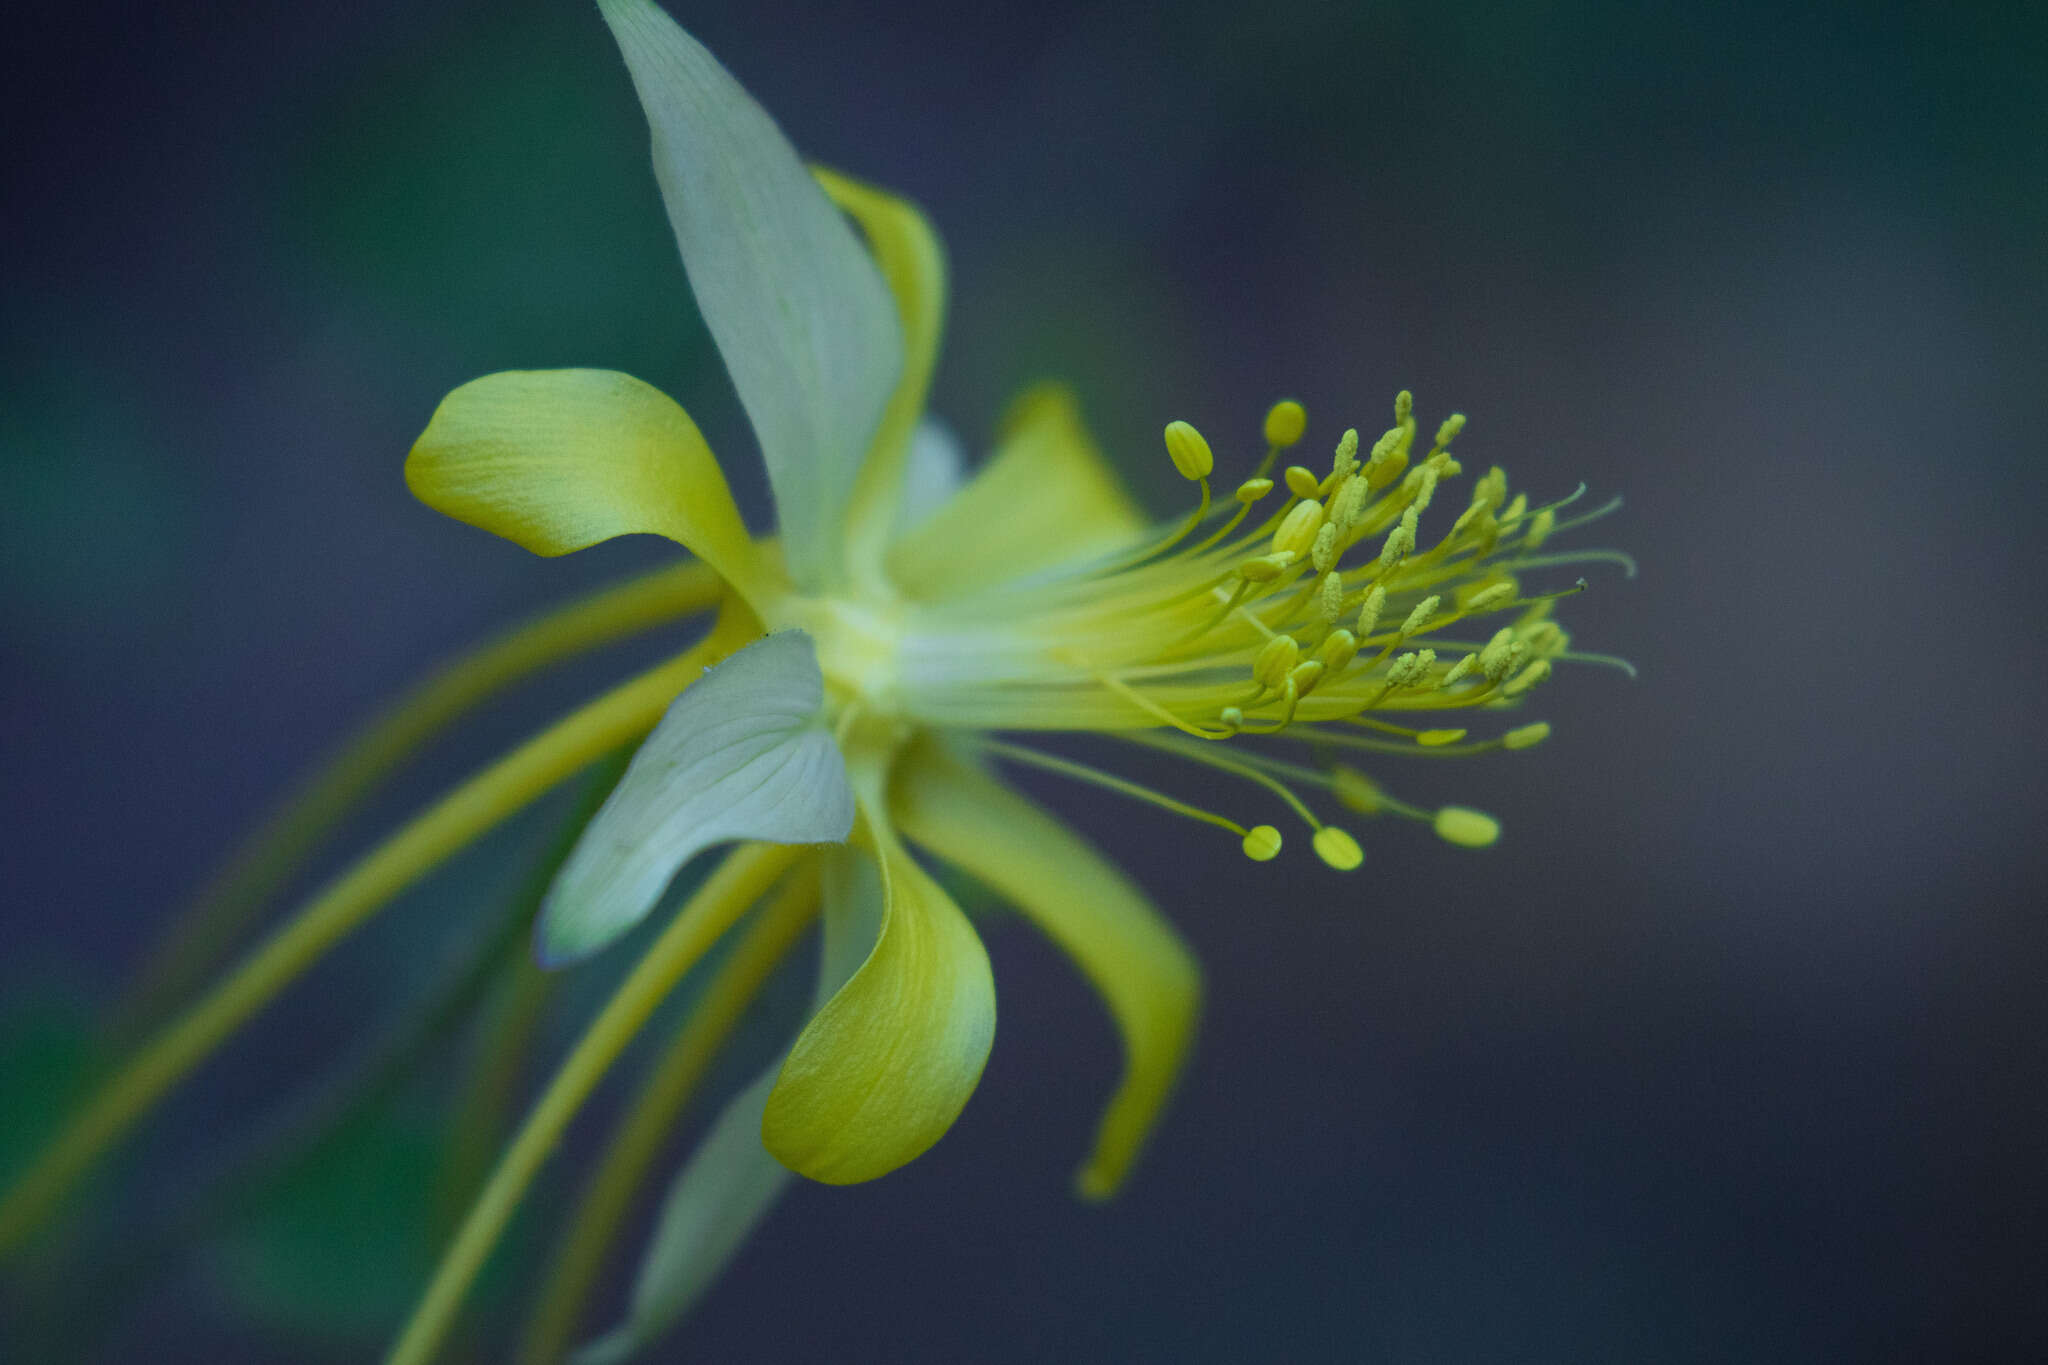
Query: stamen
1259,842
1286,421
1331,844
1369,610
1526,736
1297,533
1466,827
1189,451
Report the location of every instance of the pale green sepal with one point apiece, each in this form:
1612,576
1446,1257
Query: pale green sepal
800,313
891,1060
741,754
730,1182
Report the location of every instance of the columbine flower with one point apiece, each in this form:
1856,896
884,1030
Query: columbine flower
840,712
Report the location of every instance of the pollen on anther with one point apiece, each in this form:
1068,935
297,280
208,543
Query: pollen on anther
1369,610
1189,451
1526,679
1419,617
1286,420
1338,848
1330,597
1261,843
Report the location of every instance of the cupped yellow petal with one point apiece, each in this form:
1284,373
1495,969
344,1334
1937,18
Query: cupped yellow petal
556,460
881,1072
1133,957
1048,496
913,263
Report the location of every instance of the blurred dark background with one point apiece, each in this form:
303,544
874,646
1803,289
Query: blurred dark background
1731,1049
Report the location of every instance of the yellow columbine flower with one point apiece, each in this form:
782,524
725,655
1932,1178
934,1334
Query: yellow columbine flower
839,713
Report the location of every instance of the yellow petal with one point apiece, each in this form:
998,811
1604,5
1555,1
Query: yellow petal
555,460
1046,497
881,1072
1133,957
914,265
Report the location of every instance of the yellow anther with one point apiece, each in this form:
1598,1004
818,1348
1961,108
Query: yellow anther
1286,420
1448,432
1301,482
1425,489
1346,458
1355,791
1337,651
1436,739
1370,609
1400,543
1338,849
1323,554
1265,568
1526,736
1461,670
1330,597
1539,530
1515,509
1231,718
1490,598
1465,827
1188,451
1406,668
1304,676
1404,407
1492,490
1494,660
1261,843
1298,528
1348,502
1275,660
1251,490
1526,679
1419,617
1389,457
1544,637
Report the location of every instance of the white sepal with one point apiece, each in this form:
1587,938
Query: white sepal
798,308
742,754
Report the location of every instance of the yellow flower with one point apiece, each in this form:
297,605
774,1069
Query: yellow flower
841,710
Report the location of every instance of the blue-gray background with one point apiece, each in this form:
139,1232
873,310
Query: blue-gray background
1732,1047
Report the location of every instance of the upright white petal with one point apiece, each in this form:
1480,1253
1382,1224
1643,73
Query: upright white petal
798,309
743,754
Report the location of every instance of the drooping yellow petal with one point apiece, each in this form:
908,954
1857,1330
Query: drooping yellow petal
881,1071
1046,497
1145,974
556,460
913,263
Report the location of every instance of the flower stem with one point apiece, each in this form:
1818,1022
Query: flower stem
625,713
221,911
742,878
650,1121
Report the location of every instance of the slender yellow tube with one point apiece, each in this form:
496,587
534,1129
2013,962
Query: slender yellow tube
738,882
623,714
649,1124
221,911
